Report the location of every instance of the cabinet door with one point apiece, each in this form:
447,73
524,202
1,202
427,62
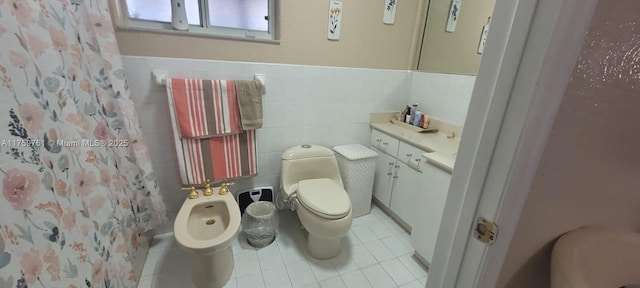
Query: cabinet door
404,192
383,178
429,206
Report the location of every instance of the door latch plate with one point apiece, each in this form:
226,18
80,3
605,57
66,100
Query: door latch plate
485,231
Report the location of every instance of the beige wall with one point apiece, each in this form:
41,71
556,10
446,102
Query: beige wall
456,52
590,169
365,40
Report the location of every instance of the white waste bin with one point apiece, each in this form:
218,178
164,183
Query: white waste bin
358,166
260,223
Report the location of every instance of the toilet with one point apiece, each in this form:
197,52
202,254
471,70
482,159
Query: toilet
311,184
205,228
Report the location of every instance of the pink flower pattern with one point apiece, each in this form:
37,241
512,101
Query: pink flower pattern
32,117
19,188
73,215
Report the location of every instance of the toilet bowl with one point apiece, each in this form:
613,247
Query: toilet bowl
311,184
205,228
593,257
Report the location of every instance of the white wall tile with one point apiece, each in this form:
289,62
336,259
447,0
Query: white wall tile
442,96
303,104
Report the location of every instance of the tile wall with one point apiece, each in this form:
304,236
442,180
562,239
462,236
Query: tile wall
442,96
304,104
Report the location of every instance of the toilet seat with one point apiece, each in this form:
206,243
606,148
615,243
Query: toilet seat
324,198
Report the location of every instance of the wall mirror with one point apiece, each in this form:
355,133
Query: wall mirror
453,52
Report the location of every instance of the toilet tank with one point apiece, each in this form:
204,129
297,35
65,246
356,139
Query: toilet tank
308,162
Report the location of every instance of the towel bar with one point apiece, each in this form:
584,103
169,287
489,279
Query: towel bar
160,77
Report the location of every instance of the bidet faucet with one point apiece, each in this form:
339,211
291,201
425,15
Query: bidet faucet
223,188
207,188
193,194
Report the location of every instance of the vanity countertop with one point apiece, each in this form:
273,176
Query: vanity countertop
444,149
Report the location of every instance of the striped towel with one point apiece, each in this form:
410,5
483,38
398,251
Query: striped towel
205,108
217,158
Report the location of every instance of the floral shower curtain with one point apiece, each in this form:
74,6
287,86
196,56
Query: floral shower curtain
78,189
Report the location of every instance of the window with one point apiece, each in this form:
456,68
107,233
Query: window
251,19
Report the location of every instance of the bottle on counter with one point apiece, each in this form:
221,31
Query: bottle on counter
416,118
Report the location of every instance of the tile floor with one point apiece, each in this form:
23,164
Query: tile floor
377,253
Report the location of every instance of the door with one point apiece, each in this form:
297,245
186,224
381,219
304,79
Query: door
383,180
530,53
406,188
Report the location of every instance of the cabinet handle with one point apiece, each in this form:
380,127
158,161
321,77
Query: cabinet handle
395,177
389,174
390,163
385,143
397,166
379,140
418,160
409,155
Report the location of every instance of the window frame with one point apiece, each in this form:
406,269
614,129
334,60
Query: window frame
205,29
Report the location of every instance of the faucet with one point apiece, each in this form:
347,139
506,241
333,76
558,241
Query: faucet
223,188
207,188
193,194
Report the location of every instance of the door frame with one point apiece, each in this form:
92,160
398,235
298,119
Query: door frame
531,51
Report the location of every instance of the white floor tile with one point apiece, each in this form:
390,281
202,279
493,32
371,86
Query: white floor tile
379,250
167,280
291,253
300,274
377,277
413,284
364,233
368,259
276,278
246,264
380,229
231,284
398,246
322,269
423,281
351,240
364,219
395,227
250,281
270,258
362,256
240,245
355,279
344,263
400,274
414,267
333,283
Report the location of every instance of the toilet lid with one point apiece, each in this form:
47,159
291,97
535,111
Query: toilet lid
324,198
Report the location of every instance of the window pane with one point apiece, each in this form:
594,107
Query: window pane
243,14
161,10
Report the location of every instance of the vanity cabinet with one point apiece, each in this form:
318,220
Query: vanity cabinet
429,206
398,176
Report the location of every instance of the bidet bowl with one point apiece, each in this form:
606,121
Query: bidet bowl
205,228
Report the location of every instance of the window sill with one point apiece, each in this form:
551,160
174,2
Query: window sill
196,34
